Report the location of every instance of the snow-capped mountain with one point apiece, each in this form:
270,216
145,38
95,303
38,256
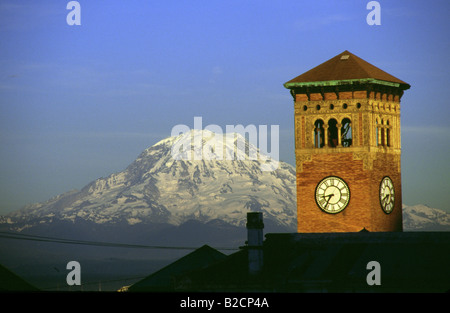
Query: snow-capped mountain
185,178
423,218
167,185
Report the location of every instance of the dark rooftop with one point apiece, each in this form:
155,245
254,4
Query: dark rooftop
162,280
333,262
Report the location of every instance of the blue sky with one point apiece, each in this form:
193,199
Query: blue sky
81,102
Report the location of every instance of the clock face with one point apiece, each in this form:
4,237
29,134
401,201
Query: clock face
332,194
387,195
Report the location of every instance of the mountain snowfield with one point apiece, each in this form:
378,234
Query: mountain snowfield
189,177
423,218
167,185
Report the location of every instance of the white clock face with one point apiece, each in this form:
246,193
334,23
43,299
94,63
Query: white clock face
332,194
387,195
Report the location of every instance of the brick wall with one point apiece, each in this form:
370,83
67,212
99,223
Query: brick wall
363,210
362,166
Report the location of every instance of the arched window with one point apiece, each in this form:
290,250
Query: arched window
318,134
332,133
388,138
381,141
377,132
346,132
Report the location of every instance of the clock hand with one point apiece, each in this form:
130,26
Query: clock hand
329,198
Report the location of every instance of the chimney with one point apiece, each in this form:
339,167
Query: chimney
255,228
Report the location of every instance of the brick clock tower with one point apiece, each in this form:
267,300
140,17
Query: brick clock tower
347,147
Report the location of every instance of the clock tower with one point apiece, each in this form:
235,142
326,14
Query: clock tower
347,147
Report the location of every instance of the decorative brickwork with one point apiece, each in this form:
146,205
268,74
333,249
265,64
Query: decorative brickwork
349,129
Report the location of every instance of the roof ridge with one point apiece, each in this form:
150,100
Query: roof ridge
361,62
